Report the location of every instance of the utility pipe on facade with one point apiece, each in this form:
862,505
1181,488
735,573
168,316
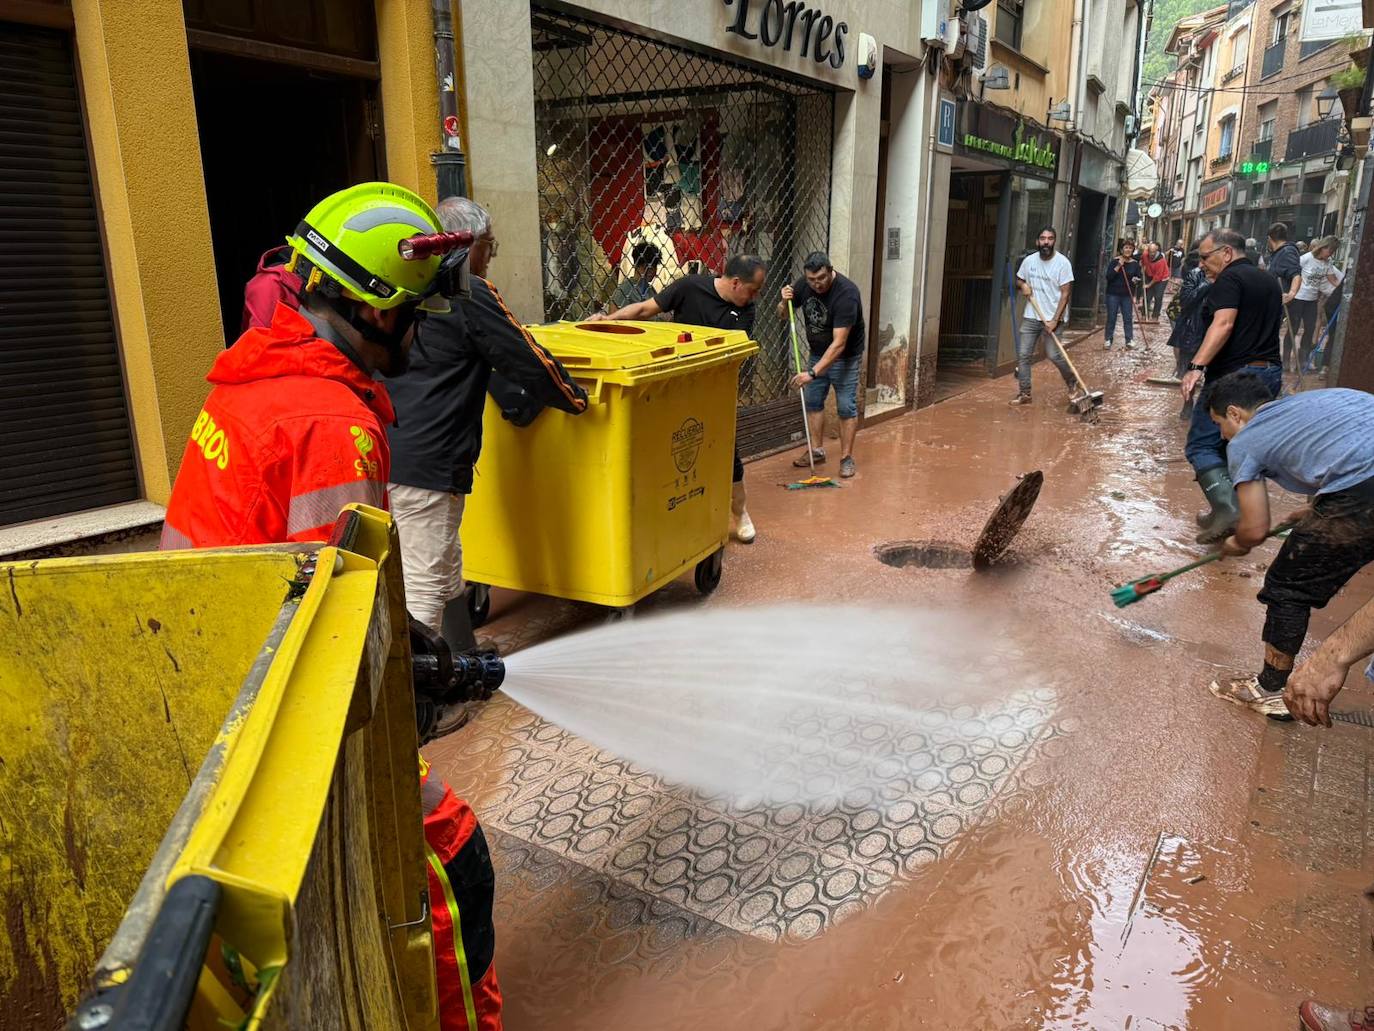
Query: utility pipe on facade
449,162
933,133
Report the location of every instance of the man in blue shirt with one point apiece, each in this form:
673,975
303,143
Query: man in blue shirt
1321,444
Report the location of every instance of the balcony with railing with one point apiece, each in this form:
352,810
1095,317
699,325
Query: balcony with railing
1263,150
1273,59
1317,138
1233,74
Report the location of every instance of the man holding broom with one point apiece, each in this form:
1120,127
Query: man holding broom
833,314
1321,444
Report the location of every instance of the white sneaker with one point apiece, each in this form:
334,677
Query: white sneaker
1107,346
1130,346
741,526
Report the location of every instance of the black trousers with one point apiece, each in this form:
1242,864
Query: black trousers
1319,557
1303,315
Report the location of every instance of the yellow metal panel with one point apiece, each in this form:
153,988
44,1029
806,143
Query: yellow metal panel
115,674
256,721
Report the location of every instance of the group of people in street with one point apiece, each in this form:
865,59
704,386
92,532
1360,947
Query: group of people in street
362,376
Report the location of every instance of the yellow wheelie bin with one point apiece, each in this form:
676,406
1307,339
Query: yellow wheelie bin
209,790
610,505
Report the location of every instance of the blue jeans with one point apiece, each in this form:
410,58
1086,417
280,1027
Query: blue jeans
1123,305
1205,448
843,375
1025,347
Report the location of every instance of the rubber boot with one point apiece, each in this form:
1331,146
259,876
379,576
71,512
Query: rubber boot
1221,495
741,526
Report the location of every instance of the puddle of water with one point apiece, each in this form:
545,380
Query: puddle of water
781,704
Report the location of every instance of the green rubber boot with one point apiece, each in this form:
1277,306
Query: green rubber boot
1221,495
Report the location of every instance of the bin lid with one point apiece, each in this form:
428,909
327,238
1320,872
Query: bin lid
638,348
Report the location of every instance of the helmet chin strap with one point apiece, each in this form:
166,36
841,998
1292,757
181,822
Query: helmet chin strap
348,311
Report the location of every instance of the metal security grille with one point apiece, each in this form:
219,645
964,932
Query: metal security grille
641,141
63,418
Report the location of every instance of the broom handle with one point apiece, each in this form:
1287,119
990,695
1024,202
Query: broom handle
1277,531
796,357
1074,368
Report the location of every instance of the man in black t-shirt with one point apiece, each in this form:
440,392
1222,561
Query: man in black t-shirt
1242,313
833,317
720,302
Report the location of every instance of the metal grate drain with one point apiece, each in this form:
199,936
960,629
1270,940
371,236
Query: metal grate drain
1359,717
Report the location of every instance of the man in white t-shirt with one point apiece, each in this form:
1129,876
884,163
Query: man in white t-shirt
1046,279
1304,294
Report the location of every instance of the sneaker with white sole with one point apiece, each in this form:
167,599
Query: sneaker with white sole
1020,399
1130,346
1317,1016
1244,690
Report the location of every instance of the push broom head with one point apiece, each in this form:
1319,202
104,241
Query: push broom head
1135,590
812,481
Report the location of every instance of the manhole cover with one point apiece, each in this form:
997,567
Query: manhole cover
1006,522
924,555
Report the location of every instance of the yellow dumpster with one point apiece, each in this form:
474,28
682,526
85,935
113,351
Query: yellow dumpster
609,505
209,797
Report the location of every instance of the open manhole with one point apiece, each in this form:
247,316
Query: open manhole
924,555
1004,523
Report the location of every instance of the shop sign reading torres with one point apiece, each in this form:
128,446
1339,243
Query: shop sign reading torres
781,22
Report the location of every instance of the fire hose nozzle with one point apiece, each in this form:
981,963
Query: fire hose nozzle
478,674
417,248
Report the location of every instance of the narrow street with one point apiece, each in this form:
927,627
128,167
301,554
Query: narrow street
1119,849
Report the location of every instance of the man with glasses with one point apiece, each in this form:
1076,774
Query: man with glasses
1242,314
438,433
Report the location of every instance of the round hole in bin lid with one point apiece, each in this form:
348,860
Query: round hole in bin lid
610,327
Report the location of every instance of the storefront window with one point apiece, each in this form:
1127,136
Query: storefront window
1032,208
646,148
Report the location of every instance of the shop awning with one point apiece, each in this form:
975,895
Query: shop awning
1142,177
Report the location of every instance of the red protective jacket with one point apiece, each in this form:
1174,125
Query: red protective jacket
291,432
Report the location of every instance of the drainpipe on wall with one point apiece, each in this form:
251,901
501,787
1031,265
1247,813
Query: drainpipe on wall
933,132
449,163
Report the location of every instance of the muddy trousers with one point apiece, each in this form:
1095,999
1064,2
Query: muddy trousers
1205,448
1027,338
1319,557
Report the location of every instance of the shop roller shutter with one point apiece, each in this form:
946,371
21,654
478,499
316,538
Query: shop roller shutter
65,439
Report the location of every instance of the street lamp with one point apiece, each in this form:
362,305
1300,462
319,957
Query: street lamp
1326,99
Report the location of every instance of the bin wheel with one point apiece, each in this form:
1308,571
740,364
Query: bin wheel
616,614
709,570
479,603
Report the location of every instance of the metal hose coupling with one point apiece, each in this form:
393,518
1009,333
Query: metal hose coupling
477,674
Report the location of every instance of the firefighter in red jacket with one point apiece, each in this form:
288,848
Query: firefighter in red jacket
293,430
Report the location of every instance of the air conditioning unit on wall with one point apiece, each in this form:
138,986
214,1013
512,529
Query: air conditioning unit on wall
974,30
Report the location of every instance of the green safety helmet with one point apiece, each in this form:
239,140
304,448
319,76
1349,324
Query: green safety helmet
353,238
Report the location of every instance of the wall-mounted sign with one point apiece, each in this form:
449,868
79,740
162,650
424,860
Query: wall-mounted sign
1331,19
775,23
894,243
988,133
1216,198
948,112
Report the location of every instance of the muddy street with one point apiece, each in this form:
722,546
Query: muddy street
1113,848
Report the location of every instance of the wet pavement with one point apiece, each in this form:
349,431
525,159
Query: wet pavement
1105,846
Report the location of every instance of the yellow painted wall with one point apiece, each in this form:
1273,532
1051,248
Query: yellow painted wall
1043,60
410,93
145,150
136,79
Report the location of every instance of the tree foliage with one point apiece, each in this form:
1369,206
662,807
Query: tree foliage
1168,13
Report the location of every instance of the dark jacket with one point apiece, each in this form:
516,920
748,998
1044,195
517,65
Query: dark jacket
1285,263
1188,328
1117,275
439,400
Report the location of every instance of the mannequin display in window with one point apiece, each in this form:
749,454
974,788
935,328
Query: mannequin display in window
653,230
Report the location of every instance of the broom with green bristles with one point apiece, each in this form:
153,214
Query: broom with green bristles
1132,592
813,480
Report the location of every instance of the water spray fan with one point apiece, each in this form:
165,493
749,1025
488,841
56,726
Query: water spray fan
813,480
1129,594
